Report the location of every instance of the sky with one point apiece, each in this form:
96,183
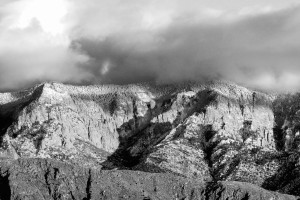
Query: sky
255,43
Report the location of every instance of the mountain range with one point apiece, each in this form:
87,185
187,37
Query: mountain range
212,140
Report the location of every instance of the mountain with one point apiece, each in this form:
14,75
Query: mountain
210,134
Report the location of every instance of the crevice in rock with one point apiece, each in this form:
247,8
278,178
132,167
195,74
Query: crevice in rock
205,142
279,137
46,176
253,100
88,186
38,140
246,197
6,121
113,105
56,172
213,190
5,191
135,114
89,131
242,108
72,195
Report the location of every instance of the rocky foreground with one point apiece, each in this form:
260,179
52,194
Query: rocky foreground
43,179
181,141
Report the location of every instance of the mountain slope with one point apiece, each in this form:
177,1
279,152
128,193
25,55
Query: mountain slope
45,179
216,131
58,116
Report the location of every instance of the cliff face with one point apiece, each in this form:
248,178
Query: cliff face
218,129
196,133
188,129
286,131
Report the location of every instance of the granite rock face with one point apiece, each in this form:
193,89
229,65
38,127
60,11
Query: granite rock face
44,179
161,128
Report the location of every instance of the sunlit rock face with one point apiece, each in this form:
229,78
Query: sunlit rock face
145,126
207,135
58,121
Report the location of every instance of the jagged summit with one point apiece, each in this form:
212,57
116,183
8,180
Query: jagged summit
223,87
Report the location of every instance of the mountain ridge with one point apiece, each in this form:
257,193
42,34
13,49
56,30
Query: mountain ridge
216,131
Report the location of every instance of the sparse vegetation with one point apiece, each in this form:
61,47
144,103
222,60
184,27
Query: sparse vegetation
247,133
287,118
223,155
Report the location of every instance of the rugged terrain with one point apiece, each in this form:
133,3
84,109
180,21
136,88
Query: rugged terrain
71,142
44,179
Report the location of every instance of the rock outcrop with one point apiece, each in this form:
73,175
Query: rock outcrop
44,179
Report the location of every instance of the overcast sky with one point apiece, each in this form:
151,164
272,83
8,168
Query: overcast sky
251,42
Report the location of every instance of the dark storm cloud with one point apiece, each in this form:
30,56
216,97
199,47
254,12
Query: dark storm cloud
260,51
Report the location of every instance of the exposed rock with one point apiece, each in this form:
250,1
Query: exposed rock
286,131
225,154
41,179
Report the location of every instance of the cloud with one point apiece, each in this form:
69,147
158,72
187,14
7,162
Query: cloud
26,59
166,41
29,53
260,51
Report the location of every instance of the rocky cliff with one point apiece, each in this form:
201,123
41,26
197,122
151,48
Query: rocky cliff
216,131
